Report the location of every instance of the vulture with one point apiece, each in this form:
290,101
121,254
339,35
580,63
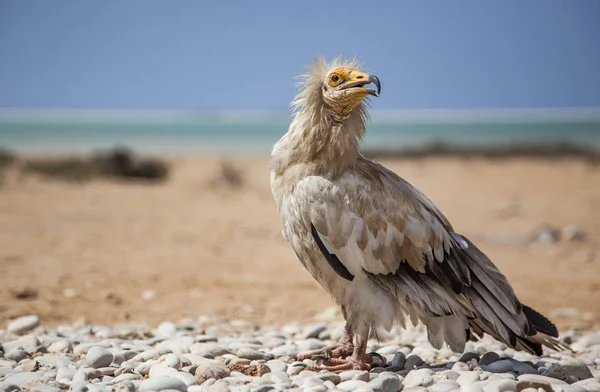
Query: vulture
383,251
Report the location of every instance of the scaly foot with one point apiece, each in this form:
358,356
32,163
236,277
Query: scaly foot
350,363
341,349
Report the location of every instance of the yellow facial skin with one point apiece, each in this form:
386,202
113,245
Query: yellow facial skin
347,91
341,76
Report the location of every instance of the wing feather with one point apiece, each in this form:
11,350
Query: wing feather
392,234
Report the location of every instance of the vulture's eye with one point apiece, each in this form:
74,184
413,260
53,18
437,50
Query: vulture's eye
335,79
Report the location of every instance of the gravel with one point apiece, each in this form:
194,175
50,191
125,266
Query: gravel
214,355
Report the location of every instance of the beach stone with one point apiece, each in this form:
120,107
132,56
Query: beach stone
211,370
361,375
60,346
593,386
170,360
467,378
540,378
387,382
501,366
472,388
166,330
29,343
23,378
160,369
23,324
413,361
468,356
310,344
500,385
444,386
124,386
265,388
448,375
4,371
251,354
290,350
460,367
352,385
214,349
16,355
313,331
332,377
98,357
45,388
419,378
571,368
310,381
28,365
65,374
277,365
162,383
126,377
488,358
187,378
399,360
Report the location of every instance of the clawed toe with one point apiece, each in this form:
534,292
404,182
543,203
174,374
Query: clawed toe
343,364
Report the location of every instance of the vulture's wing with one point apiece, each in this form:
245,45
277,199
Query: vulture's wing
370,221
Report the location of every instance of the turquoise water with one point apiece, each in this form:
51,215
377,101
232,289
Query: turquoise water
258,134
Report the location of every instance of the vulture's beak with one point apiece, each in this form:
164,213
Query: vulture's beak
361,79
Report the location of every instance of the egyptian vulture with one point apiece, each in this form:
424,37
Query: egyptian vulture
381,248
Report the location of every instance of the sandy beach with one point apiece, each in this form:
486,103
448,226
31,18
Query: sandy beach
112,251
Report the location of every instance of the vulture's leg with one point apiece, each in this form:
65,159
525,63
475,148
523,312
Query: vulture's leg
343,348
359,360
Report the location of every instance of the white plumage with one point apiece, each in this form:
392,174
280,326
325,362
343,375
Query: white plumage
380,247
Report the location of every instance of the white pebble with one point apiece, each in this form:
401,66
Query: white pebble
23,324
98,357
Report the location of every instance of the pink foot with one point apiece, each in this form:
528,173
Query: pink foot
336,351
350,363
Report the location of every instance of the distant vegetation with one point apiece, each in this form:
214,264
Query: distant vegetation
119,163
558,150
7,158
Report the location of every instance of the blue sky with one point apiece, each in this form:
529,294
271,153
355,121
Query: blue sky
174,54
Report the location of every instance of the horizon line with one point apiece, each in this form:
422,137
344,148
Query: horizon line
377,115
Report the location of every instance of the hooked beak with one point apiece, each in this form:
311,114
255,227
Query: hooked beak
360,79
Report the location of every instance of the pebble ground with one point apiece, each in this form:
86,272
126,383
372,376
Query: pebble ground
214,355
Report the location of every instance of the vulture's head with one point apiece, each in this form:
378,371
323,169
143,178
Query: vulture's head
339,86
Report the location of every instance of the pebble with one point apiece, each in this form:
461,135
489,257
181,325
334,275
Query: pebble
578,370
16,355
162,383
488,358
419,378
502,366
29,343
386,382
399,360
361,375
352,385
211,370
23,324
413,361
98,357
468,356
251,354
212,355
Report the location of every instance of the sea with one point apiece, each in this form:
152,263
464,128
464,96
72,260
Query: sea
253,132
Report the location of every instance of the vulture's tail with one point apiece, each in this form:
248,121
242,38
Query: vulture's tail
498,312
